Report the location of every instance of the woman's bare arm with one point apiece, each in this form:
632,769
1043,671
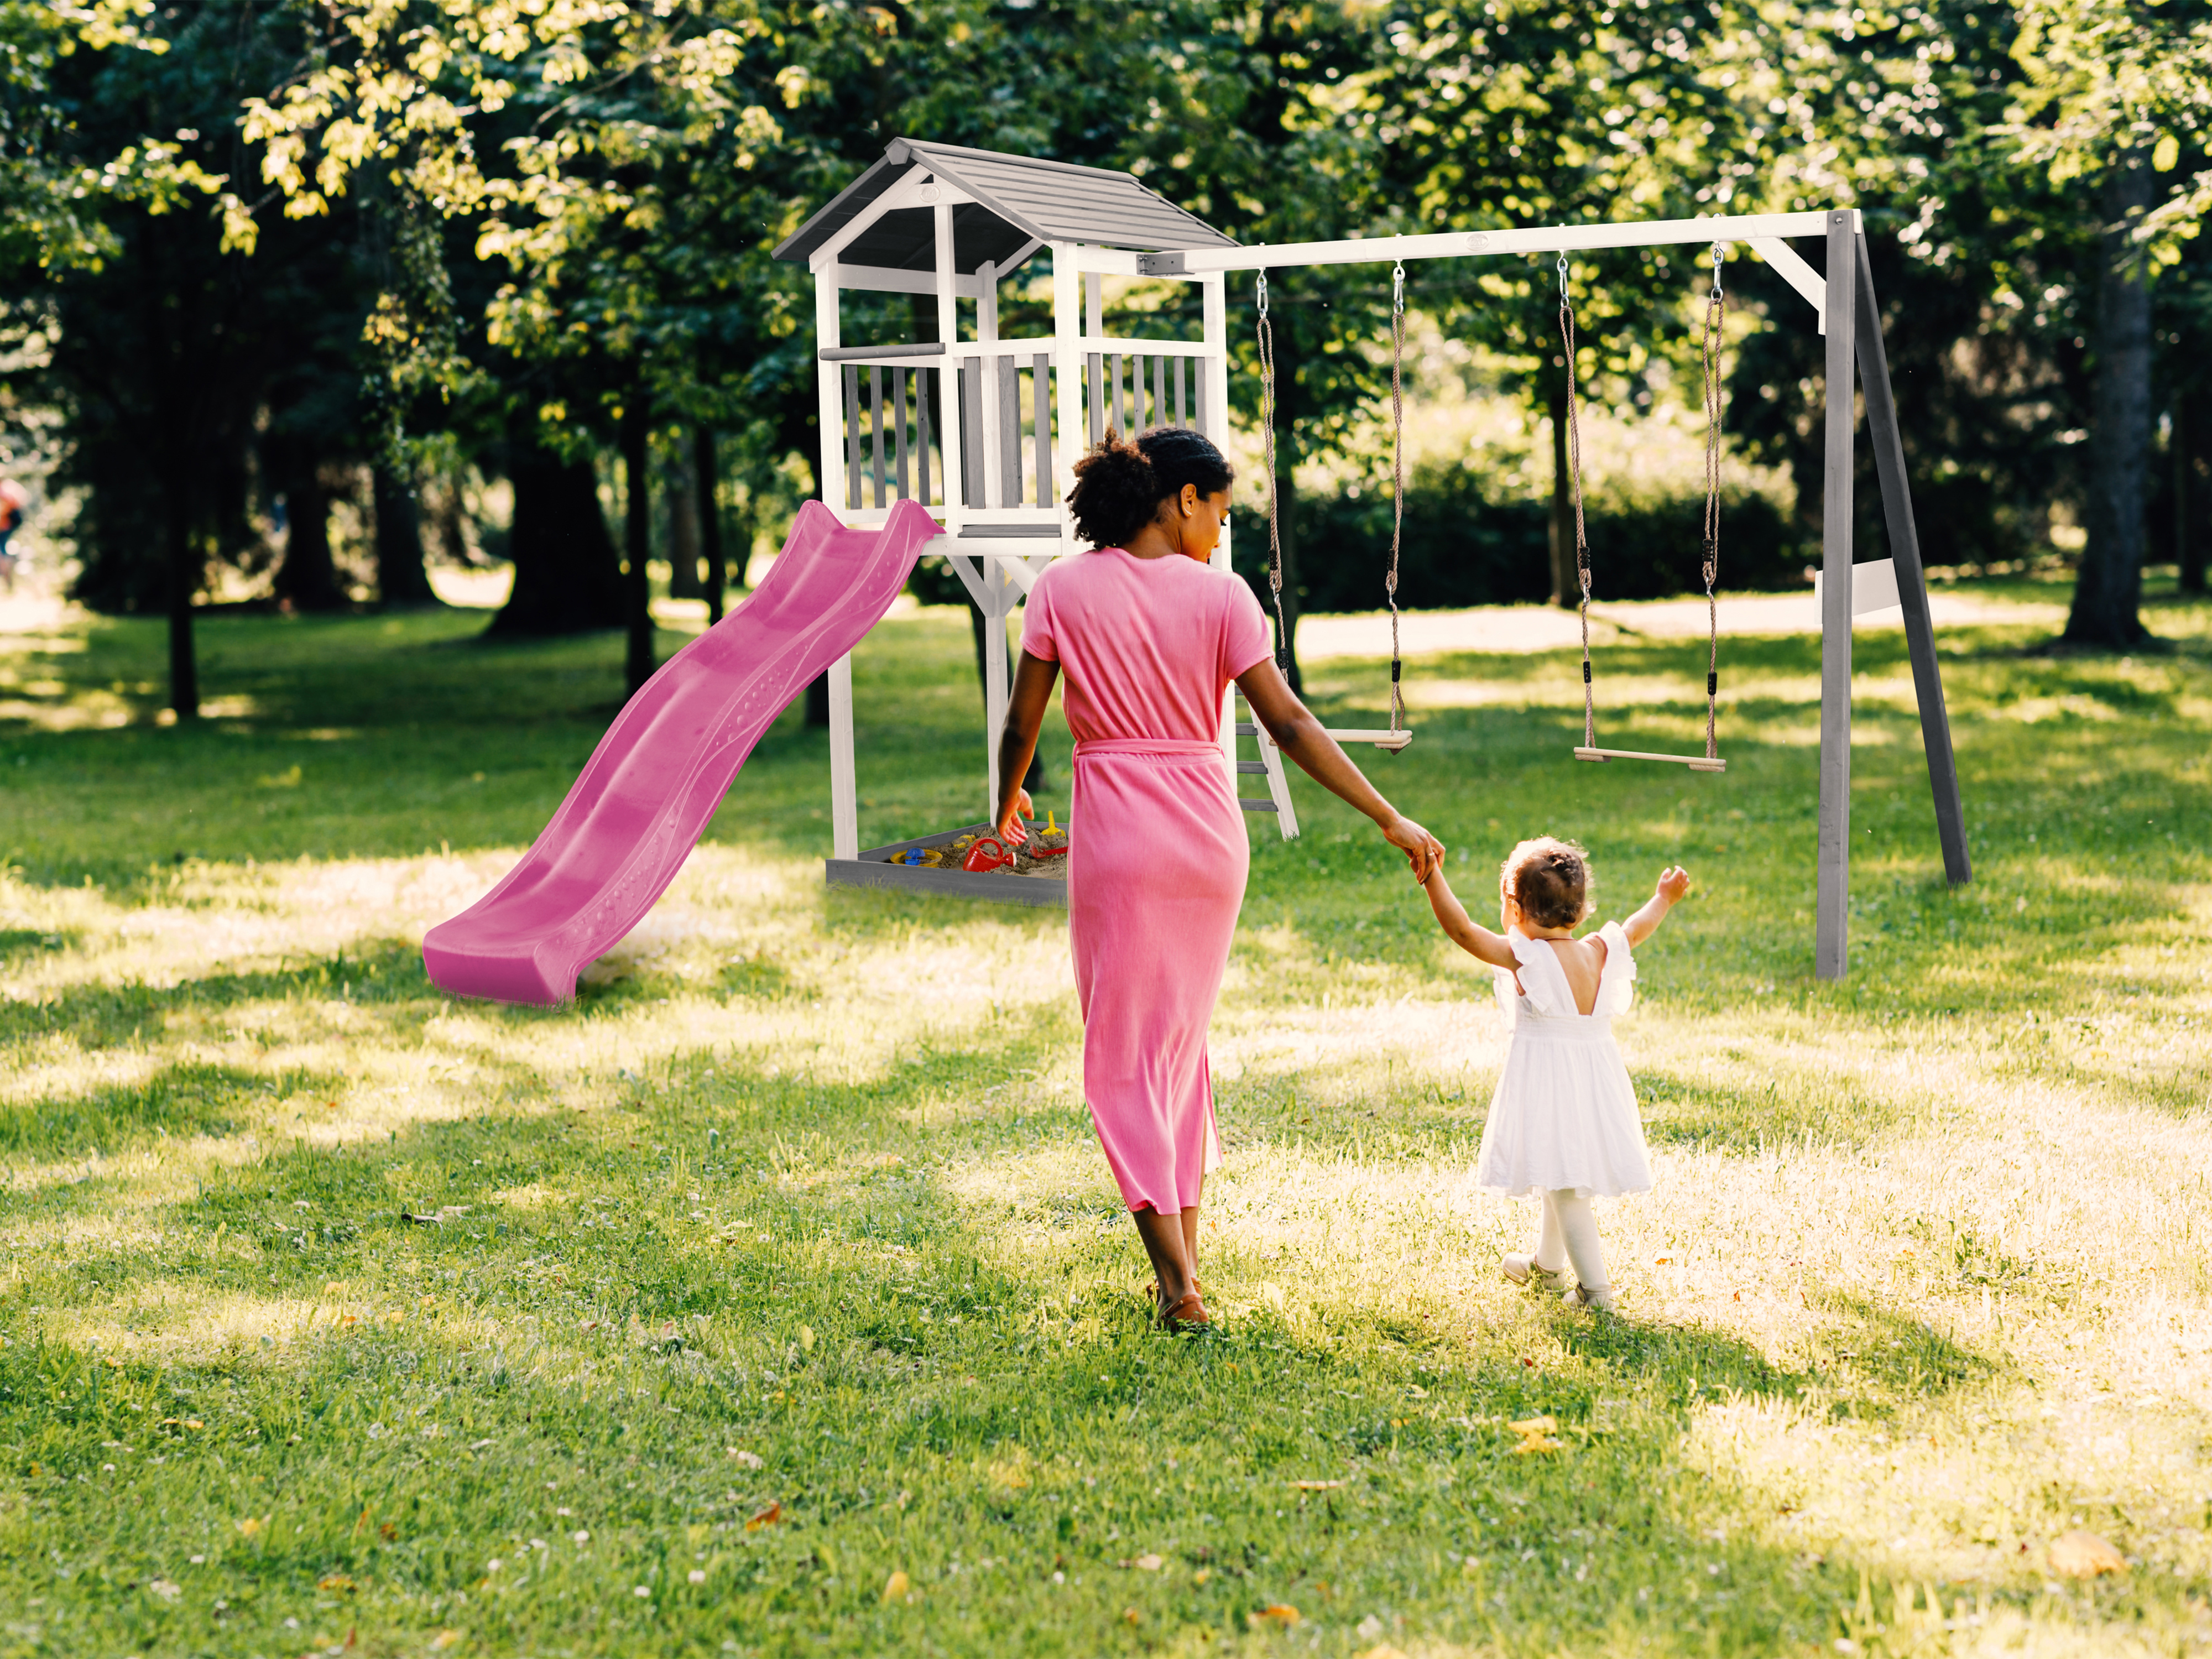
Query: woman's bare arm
1300,735
1034,678
1470,935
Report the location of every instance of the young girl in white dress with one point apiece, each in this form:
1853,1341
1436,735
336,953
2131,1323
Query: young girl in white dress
1564,1123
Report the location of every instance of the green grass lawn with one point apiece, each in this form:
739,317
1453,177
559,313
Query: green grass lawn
774,1298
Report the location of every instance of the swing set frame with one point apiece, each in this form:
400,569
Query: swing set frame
1842,299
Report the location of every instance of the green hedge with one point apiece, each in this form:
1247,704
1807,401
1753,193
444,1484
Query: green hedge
1462,548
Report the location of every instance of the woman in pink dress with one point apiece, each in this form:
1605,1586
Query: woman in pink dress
1150,635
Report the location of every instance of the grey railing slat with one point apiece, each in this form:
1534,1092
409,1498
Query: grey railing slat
876,426
851,436
1009,376
921,379
898,423
1095,386
1040,393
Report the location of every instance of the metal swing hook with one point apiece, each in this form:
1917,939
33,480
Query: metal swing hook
1263,294
1563,271
1397,289
1717,256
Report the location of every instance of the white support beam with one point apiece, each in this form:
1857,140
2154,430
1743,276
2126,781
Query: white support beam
1068,285
831,393
844,790
1457,245
1791,268
948,400
882,279
914,190
988,370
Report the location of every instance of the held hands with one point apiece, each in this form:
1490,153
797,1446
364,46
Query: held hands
1424,852
1010,826
1674,883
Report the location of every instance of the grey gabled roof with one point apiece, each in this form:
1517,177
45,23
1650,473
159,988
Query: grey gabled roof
1018,200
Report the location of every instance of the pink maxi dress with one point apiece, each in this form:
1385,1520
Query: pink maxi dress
1157,857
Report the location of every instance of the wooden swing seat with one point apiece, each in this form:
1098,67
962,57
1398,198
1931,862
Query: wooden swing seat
1695,763
1392,741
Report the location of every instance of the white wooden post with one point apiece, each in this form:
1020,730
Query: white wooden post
948,402
844,794
830,389
1002,592
1214,306
1067,377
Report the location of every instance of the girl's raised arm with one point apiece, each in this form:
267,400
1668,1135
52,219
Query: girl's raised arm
1674,882
1470,935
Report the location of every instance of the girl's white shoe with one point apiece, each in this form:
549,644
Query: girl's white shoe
1582,1297
1522,1268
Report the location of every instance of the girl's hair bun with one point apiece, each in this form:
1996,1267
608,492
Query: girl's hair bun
1549,879
1121,484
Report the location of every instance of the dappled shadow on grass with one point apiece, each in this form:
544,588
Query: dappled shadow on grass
179,1100
96,1015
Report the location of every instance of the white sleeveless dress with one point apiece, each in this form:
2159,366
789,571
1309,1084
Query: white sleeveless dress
1565,1113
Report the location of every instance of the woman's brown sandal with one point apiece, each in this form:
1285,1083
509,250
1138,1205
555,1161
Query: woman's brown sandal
1188,1314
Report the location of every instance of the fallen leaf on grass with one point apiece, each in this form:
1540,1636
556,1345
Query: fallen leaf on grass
2084,1555
766,1517
1281,1614
167,1589
897,1586
444,1639
750,1459
1143,1563
251,1525
337,1581
1316,1485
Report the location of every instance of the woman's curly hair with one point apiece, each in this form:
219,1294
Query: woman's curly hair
1549,879
1121,484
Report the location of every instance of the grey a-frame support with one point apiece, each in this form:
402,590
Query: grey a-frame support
1854,352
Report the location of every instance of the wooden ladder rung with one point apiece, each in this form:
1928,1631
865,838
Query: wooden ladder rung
1247,729
1260,767
1695,763
1252,806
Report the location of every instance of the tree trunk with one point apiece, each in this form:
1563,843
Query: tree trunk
307,579
185,573
401,580
1286,501
682,497
567,578
1566,583
637,540
2189,444
2108,592
706,474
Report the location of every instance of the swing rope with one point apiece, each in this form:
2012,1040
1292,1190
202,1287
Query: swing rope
1397,479
1709,351
1715,316
1575,481
1266,339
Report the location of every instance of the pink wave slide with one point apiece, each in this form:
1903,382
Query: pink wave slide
645,796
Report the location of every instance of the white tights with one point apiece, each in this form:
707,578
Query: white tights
1570,1235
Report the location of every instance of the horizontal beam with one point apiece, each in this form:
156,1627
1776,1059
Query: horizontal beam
1459,245
884,279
